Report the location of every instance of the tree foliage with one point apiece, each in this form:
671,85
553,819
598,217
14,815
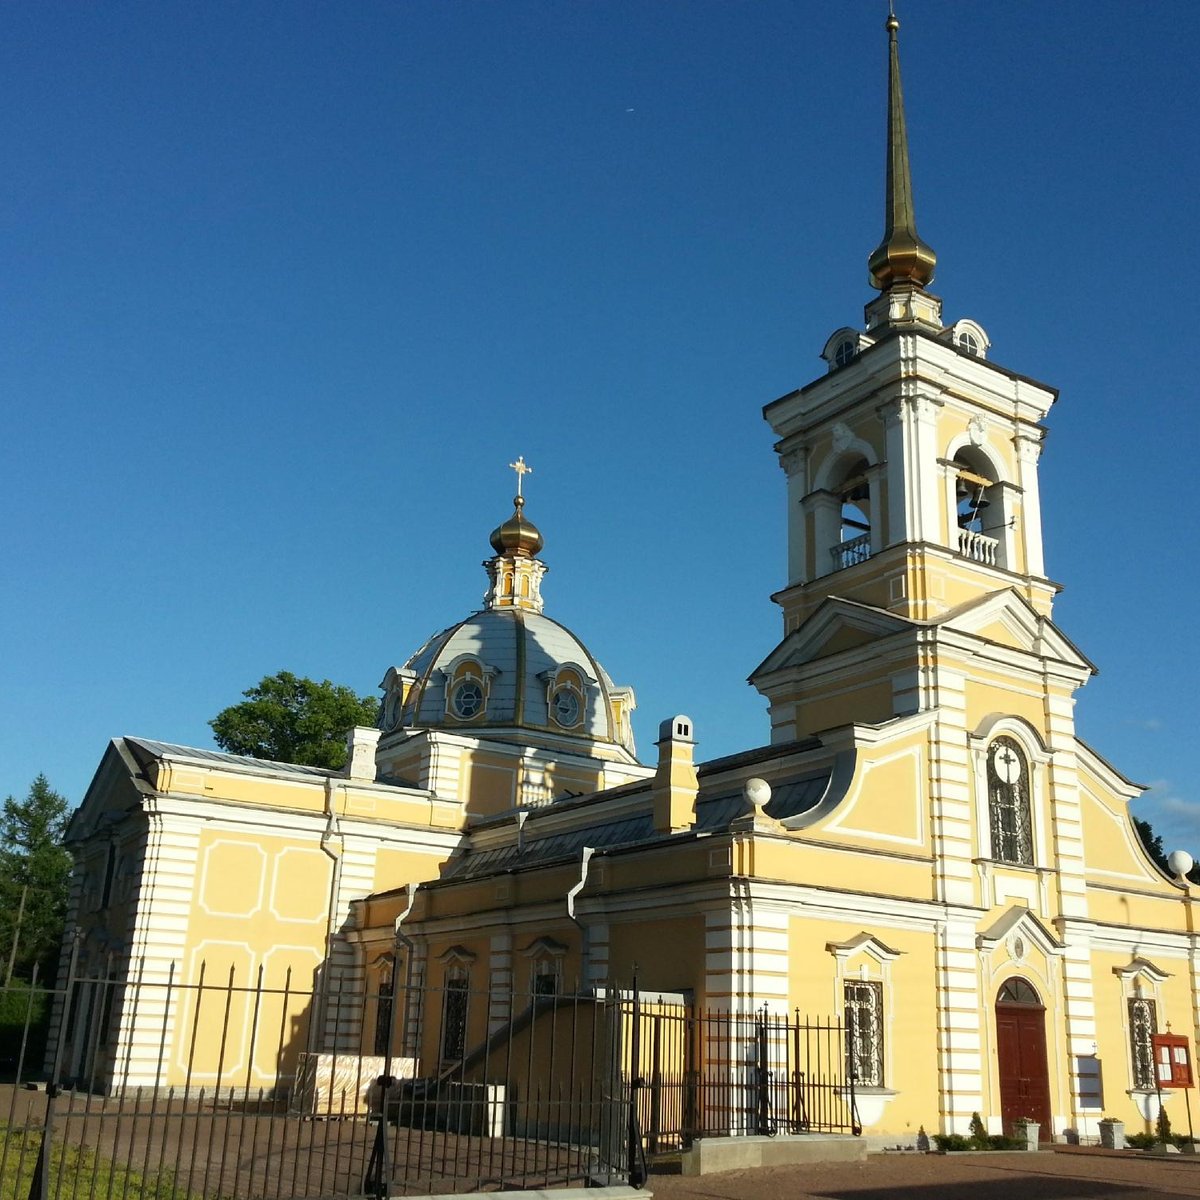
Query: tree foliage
1154,847
33,865
288,719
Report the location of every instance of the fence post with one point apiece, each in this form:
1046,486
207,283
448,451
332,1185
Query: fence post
636,1155
762,1080
39,1185
851,1059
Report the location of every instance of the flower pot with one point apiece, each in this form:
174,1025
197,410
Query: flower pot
1029,1130
1112,1135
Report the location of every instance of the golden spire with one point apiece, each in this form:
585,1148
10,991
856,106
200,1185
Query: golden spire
901,257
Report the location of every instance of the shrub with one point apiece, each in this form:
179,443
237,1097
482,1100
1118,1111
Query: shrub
998,1141
979,1135
1140,1141
951,1141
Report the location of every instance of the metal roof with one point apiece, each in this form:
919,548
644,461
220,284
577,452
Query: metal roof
714,814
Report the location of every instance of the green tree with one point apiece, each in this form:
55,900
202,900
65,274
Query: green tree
1154,848
35,872
293,720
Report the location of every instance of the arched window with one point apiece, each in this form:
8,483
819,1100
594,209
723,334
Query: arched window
1143,1025
846,352
1008,802
456,1000
1018,991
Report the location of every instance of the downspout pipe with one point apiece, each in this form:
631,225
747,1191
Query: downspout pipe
584,937
331,844
402,939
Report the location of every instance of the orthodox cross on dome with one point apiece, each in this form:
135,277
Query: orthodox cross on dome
522,469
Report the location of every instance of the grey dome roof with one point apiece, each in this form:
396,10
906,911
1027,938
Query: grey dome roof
520,653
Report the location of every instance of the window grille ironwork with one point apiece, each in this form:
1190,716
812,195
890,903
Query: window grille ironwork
454,1019
1018,991
384,1009
864,1032
1008,803
1143,1025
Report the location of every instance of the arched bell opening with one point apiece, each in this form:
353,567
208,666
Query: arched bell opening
854,516
980,513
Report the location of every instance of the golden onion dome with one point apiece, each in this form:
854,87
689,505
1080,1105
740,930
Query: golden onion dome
518,535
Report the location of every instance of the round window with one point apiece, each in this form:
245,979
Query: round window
844,353
467,700
565,707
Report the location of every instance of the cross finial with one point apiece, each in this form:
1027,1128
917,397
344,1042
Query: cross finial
521,469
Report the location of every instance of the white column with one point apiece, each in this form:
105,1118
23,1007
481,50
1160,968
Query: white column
1029,449
795,466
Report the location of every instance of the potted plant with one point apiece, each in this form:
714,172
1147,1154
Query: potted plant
1112,1133
1027,1128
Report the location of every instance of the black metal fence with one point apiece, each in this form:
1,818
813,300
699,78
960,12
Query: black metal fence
714,1074
127,1088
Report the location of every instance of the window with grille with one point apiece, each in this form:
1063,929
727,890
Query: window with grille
864,1032
384,1010
454,1019
1143,1025
1008,803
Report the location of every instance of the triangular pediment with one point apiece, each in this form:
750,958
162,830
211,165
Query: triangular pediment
1018,921
1008,619
837,625
116,789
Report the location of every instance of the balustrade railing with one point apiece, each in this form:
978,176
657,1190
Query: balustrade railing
978,546
848,554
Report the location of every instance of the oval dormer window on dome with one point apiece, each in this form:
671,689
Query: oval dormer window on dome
565,707
467,699
468,683
845,352
566,698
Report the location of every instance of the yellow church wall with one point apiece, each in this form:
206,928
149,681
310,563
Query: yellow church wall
394,868
1114,851
1133,908
819,861
910,1054
885,805
488,782
260,904
664,954
243,789
1173,1004
867,700
989,694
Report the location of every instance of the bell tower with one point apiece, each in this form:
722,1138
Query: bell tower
911,463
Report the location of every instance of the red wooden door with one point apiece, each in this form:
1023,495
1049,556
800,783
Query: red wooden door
1024,1079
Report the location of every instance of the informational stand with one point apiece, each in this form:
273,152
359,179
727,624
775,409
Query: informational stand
1173,1067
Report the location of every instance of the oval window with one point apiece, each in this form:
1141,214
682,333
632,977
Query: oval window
565,708
467,700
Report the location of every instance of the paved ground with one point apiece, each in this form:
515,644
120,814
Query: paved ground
1067,1174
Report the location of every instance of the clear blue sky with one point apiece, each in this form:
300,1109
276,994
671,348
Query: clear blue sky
285,287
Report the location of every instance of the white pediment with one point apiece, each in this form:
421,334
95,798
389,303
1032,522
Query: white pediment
836,625
1018,922
1007,617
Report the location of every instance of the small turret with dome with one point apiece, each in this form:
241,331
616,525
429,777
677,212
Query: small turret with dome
508,673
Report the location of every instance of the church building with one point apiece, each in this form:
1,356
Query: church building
921,841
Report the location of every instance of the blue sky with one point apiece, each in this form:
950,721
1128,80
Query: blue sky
284,287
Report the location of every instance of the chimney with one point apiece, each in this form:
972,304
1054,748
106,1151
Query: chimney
361,743
675,784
